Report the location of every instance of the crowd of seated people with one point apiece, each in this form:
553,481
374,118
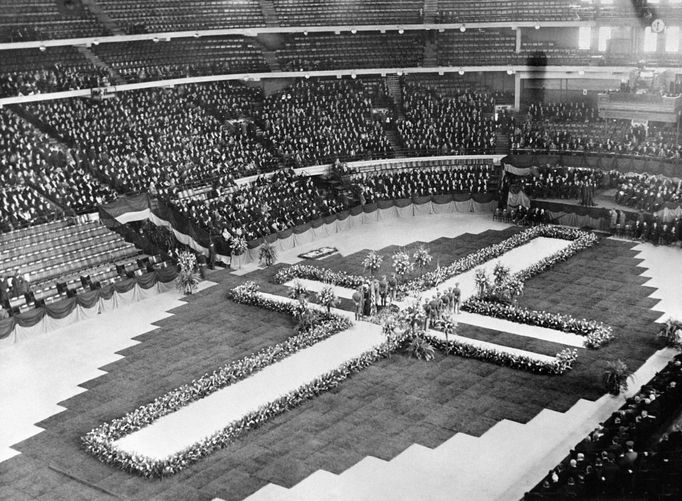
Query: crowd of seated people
438,125
21,205
28,157
317,121
647,192
562,182
156,136
227,100
563,112
415,183
650,229
266,206
55,78
522,215
589,134
622,456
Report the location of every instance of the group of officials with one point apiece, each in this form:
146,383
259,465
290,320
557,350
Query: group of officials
375,294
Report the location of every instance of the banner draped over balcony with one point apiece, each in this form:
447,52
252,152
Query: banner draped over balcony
88,300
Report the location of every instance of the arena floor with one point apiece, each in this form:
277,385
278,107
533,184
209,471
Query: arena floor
483,431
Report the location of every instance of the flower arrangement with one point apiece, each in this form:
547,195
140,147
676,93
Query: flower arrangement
615,377
420,348
298,292
401,263
238,244
100,441
372,262
327,297
561,363
188,279
580,240
597,334
671,333
326,275
267,254
503,288
421,257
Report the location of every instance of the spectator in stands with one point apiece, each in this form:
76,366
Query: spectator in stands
439,181
437,125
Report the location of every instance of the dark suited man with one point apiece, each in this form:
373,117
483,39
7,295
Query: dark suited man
4,293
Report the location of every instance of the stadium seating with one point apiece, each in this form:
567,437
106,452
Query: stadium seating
148,60
361,50
61,252
22,20
347,12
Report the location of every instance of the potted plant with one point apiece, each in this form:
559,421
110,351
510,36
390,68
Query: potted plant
372,262
671,333
327,298
267,254
615,377
188,278
402,264
422,258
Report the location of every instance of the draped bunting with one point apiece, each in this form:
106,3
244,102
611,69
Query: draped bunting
577,215
604,161
88,300
370,213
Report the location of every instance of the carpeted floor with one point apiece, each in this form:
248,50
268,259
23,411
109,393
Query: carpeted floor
380,411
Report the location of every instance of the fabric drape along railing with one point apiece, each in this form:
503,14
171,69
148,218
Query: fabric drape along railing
605,161
483,198
302,228
461,197
421,200
342,215
355,211
125,285
285,233
442,199
402,202
88,299
331,218
368,208
385,204
271,238
256,242
147,280
316,223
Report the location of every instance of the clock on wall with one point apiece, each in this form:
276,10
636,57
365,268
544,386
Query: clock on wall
657,26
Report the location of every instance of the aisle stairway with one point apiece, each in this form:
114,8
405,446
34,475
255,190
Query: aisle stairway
103,17
96,61
430,54
394,90
502,143
269,13
394,138
269,55
430,12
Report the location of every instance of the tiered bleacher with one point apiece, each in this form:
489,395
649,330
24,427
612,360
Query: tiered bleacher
33,159
361,50
155,136
51,259
347,12
465,11
150,16
595,135
148,60
317,121
444,125
476,47
31,71
22,20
